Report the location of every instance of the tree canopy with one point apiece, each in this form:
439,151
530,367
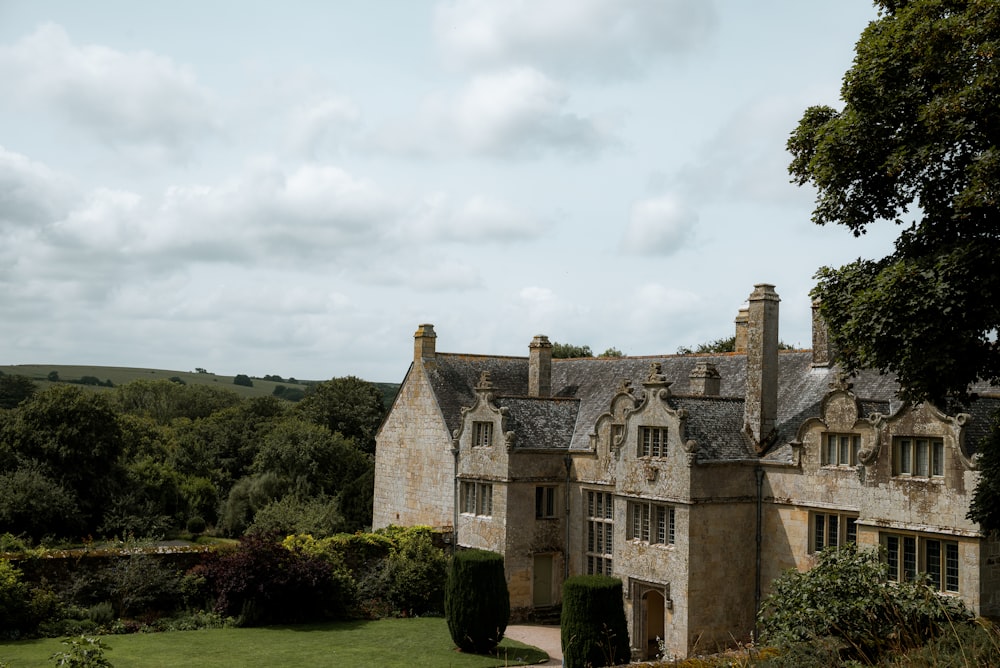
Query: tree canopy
570,351
915,144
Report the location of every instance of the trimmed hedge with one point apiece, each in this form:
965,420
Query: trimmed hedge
476,601
593,627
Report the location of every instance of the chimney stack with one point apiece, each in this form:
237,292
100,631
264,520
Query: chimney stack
824,350
761,406
705,380
741,331
540,367
424,343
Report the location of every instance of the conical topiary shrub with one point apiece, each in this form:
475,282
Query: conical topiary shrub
476,602
593,627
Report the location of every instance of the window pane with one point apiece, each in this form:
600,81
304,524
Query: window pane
933,550
832,539
937,458
855,449
670,529
951,566
922,458
852,530
904,457
845,451
831,450
608,508
819,538
909,557
892,556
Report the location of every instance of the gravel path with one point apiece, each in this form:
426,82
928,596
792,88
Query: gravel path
543,637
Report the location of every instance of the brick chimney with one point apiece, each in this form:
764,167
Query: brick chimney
540,367
705,380
741,331
761,406
824,350
424,343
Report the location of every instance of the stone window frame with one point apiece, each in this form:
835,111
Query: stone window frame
906,457
599,532
652,441
907,554
651,523
546,502
837,451
476,498
831,529
482,434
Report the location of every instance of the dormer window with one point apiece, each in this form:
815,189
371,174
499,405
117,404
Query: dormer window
918,457
652,441
841,449
482,434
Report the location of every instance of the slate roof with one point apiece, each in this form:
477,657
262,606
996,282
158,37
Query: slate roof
583,388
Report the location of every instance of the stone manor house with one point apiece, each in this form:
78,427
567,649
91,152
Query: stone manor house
696,479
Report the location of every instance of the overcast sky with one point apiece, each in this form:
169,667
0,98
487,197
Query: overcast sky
291,188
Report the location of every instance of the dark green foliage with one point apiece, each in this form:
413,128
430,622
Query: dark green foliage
262,582
847,598
985,506
569,351
414,575
15,389
612,352
74,435
34,504
915,145
476,601
242,379
22,607
134,583
349,406
317,516
725,345
593,628
53,376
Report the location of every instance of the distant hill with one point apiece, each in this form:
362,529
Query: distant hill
113,376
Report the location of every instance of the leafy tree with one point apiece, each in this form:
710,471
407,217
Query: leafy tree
612,352
476,600
15,389
593,628
915,144
570,351
32,503
242,379
348,405
75,436
725,345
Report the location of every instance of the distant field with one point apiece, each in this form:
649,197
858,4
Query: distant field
122,375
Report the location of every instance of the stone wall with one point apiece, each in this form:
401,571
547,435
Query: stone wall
414,466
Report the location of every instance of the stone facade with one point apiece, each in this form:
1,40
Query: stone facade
696,479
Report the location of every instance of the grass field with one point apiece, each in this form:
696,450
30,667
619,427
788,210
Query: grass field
388,643
122,375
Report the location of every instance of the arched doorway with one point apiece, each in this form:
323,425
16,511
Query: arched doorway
653,618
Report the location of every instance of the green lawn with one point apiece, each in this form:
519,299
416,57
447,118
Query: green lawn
387,643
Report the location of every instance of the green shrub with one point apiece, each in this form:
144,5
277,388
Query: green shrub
196,525
83,652
414,575
846,597
15,599
476,603
593,628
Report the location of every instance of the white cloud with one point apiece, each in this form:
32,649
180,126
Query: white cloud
512,112
322,124
30,193
478,218
658,226
137,100
598,38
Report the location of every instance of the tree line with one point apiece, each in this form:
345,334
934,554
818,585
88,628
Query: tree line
153,458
